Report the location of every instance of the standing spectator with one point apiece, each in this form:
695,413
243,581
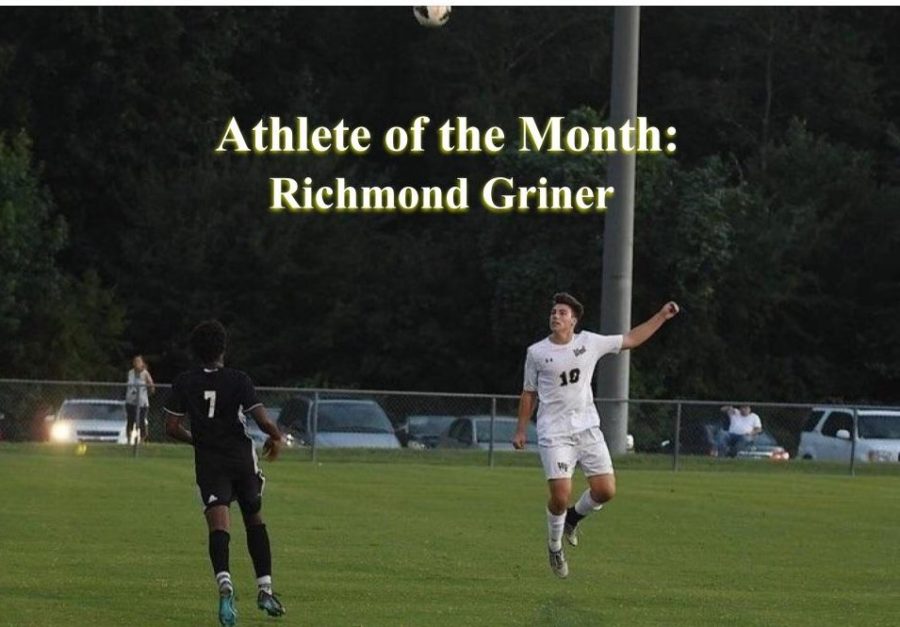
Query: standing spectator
743,426
137,397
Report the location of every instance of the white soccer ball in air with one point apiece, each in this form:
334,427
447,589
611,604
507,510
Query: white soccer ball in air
432,16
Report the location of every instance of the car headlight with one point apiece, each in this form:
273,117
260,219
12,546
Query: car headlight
780,455
880,455
60,431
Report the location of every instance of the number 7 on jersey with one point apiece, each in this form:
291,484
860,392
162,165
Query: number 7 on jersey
210,395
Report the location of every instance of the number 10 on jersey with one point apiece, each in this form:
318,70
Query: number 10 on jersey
569,377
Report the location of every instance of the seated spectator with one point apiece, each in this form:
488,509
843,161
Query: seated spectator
743,426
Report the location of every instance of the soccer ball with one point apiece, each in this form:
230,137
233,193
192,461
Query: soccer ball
432,16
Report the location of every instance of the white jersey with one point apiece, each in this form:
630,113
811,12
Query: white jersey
561,375
136,393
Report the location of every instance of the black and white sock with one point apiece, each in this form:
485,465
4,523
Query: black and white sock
218,555
223,580
582,508
261,554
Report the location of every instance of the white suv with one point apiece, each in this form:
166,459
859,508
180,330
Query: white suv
90,420
828,431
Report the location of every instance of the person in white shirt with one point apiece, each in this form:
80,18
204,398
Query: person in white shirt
743,426
137,397
558,373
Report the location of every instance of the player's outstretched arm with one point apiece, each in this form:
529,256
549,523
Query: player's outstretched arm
644,331
526,409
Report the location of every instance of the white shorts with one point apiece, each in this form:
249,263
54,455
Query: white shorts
587,448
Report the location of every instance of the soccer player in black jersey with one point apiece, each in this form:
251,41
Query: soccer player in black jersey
215,399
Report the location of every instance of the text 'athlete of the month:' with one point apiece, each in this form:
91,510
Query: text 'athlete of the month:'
500,194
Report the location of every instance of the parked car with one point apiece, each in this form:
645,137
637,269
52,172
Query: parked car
423,430
475,432
341,423
701,438
828,431
90,420
696,438
259,436
763,446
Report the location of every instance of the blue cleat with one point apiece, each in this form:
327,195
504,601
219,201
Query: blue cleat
269,602
227,613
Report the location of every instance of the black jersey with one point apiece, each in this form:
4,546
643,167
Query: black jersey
215,401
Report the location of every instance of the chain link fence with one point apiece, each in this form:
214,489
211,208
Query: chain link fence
382,425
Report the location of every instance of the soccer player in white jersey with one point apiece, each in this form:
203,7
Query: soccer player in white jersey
558,373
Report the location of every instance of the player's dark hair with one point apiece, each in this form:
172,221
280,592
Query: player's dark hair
208,341
564,298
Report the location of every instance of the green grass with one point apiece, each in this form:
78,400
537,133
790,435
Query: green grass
105,539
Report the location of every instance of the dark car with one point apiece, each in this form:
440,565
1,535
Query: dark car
702,438
339,423
763,446
697,438
475,432
423,430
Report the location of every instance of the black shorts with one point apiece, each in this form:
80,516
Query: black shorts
221,486
132,412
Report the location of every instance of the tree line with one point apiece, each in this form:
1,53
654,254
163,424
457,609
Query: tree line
774,225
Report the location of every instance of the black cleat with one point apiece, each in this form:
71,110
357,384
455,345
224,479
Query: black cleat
269,602
558,563
570,533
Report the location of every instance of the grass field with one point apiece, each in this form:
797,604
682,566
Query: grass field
104,539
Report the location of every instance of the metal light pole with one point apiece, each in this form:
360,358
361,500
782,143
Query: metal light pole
618,235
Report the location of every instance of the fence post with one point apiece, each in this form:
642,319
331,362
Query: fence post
677,446
491,446
853,443
314,428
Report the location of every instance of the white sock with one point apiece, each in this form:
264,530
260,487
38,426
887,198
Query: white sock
223,579
555,529
264,583
586,504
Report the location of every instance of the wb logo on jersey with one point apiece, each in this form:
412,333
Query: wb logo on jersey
562,466
580,351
